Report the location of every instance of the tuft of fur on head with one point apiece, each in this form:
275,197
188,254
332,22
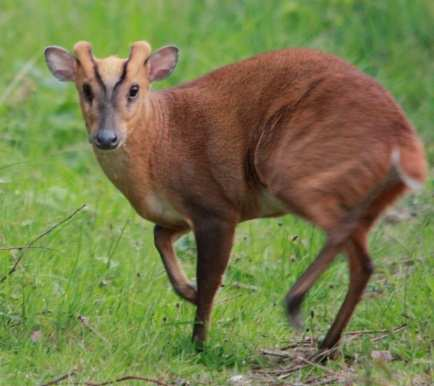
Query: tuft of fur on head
139,52
83,53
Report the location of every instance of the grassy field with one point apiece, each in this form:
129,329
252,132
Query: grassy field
92,295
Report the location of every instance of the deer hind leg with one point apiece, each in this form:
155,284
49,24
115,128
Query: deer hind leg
326,213
351,235
361,269
360,264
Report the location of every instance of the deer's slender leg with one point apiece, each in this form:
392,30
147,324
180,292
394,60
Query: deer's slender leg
295,296
360,271
164,239
214,242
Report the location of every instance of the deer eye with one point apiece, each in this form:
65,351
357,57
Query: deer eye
87,92
133,92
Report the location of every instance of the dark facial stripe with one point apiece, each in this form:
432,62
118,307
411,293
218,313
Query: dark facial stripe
123,75
99,79
121,79
97,74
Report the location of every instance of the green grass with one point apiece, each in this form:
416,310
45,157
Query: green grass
115,278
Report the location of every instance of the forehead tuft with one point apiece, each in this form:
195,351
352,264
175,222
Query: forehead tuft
110,70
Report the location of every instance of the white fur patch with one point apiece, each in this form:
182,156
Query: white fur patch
159,208
412,183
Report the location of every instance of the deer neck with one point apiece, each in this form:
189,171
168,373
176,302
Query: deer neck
134,168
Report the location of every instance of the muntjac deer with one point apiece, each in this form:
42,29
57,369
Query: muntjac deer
291,131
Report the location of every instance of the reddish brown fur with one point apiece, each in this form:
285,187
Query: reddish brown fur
294,130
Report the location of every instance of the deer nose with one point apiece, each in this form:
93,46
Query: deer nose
106,139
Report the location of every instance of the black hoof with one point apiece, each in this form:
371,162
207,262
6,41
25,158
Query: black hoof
199,336
199,346
293,305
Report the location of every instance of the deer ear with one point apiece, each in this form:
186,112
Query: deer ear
61,63
162,62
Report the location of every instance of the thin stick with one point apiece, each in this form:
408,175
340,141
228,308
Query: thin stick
322,381
278,354
306,342
239,285
374,332
380,337
37,238
287,372
61,378
379,334
123,379
318,366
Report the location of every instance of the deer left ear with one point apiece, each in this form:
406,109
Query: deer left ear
162,62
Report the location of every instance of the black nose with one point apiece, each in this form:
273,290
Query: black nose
106,139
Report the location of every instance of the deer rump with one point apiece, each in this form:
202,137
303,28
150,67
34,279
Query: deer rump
324,155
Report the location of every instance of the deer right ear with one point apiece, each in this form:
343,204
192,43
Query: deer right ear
61,63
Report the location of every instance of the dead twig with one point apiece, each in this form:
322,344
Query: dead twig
37,238
375,332
275,353
285,373
62,378
317,381
123,379
317,365
298,354
239,285
307,342
378,334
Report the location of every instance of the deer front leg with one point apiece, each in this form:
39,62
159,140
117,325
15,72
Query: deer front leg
164,239
214,242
